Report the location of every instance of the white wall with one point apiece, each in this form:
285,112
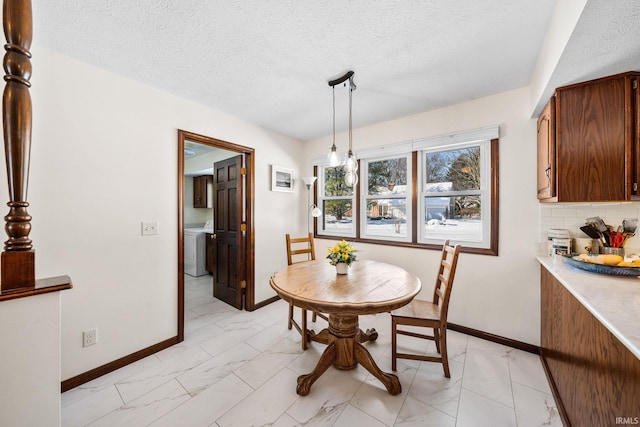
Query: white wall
571,216
193,217
30,364
104,158
499,294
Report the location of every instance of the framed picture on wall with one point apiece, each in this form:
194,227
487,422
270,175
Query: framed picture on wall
281,179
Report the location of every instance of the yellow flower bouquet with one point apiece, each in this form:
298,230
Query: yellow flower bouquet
343,252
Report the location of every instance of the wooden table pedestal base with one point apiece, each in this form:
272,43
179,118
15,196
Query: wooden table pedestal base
344,351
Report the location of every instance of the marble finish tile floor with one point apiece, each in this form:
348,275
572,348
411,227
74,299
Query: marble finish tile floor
239,368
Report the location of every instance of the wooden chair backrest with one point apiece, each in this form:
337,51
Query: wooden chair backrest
297,242
446,274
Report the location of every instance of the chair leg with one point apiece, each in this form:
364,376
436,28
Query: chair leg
393,344
443,346
436,335
289,324
314,316
305,343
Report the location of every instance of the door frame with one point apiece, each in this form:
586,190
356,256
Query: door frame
249,155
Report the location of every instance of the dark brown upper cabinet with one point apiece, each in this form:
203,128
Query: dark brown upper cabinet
203,191
591,152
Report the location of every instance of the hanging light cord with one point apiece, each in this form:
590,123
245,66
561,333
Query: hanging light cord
351,87
333,147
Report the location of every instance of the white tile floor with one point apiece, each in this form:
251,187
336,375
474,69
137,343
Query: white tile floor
239,369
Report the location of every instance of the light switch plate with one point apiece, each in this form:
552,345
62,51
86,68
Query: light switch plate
150,228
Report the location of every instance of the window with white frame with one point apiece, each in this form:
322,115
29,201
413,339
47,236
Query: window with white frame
455,190
386,198
455,196
337,202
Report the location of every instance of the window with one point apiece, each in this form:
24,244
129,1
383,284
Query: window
455,194
387,199
417,194
337,202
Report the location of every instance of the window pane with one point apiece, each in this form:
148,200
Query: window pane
455,218
453,170
388,176
338,216
387,217
334,185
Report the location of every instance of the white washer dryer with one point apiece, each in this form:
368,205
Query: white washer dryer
195,250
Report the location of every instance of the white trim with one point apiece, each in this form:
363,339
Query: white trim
472,135
364,197
484,192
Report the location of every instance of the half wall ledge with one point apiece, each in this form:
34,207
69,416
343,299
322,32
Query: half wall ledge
43,286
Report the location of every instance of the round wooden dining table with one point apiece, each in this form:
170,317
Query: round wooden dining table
369,287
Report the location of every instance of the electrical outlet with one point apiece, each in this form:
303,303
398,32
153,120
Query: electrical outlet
150,228
89,337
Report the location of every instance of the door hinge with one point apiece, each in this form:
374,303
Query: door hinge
243,284
635,84
243,227
635,187
243,171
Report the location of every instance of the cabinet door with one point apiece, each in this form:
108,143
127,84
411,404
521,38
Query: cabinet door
591,154
635,186
199,192
547,152
202,191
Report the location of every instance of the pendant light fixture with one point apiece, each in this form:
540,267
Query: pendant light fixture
350,164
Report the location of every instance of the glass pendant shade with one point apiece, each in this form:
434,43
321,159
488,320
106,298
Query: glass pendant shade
351,179
316,212
351,164
333,158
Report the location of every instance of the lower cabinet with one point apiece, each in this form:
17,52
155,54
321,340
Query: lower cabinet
595,377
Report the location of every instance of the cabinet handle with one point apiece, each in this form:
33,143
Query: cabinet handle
214,237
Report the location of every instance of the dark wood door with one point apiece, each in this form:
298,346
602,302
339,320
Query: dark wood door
228,271
210,260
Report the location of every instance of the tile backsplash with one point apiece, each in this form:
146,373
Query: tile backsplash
571,216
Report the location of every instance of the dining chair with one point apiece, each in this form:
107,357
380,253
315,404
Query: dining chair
428,314
296,247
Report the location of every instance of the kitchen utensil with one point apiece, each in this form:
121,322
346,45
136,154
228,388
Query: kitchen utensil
599,225
630,225
592,232
616,239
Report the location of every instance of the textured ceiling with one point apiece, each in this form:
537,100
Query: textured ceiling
268,61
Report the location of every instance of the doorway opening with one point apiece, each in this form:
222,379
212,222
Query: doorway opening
243,204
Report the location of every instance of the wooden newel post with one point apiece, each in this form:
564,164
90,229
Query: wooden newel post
17,269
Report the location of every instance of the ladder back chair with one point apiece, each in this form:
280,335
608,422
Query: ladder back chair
296,247
429,314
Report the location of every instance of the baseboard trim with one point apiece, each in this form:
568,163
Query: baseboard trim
530,348
266,302
116,364
554,391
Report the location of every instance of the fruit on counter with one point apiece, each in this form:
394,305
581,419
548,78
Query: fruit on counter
606,259
629,263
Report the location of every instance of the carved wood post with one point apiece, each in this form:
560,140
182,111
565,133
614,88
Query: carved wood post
18,258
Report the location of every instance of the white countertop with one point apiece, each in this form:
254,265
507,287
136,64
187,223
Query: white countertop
613,300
